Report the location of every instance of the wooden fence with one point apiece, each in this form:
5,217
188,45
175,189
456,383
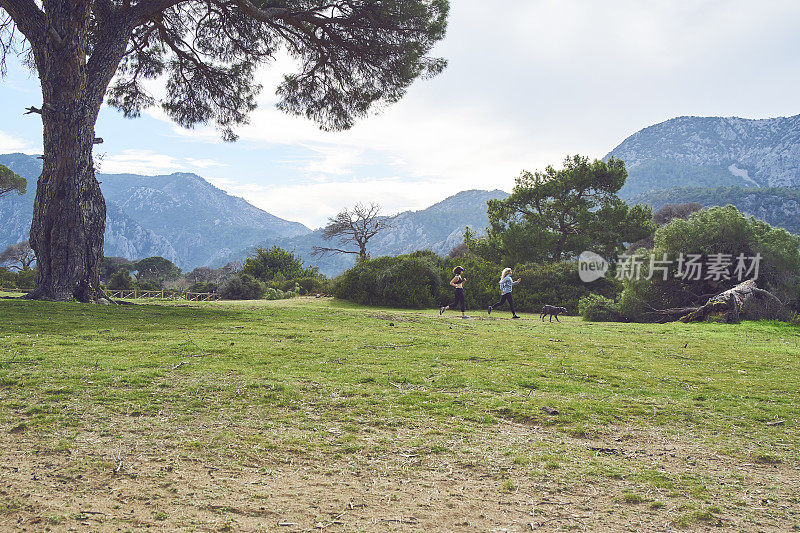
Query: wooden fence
137,294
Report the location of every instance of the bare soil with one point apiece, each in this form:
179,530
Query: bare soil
144,476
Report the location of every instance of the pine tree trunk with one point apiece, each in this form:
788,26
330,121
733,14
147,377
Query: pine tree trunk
69,211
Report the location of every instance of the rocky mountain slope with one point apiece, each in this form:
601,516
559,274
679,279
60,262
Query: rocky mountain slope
779,206
192,223
438,228
712,152
180,216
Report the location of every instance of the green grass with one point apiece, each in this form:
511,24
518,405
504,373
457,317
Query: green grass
322,378
374,367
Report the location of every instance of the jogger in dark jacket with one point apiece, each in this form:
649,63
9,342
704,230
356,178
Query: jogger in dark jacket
506,285
458,283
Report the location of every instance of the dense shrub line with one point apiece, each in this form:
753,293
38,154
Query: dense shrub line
421,280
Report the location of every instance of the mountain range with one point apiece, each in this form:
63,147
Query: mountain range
752,164
439,228
712,152
180,216
187,220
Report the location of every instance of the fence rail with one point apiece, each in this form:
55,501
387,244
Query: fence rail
135,294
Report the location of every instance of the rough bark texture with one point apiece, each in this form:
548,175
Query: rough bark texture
69,211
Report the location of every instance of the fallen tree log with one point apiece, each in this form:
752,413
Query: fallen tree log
744,299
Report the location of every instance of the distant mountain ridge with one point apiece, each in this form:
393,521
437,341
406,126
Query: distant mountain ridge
712,152
438,228
179,216
778,206
187,220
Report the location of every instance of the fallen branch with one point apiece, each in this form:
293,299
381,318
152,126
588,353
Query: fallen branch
733,301
743,299
181,364
386,346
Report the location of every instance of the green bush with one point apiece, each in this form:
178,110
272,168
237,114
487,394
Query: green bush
203,286
597,308
276,294
422,280
241,287
718,230
305,285
481,286
412,281
121,280
148,285
542,284
556,284
275,264
7,278
24,279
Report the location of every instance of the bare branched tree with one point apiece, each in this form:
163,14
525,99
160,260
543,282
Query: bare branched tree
19,256
356,225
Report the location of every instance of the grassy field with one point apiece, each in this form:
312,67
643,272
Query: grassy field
313,414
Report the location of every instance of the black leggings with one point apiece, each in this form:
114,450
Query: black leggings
459,298
503,299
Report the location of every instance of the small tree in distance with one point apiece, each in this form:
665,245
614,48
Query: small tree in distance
353,226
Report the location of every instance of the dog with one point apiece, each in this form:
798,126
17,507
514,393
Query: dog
553,311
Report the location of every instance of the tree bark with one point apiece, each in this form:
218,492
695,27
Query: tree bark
69,211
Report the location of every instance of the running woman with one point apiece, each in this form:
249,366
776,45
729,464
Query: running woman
506,284
458,283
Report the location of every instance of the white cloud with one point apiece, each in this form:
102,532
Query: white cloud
148,162
140,162
313,202
335,160
203,163
11,144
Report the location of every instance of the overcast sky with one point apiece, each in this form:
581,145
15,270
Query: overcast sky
528,82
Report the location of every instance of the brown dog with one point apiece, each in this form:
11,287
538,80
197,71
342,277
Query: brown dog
553,311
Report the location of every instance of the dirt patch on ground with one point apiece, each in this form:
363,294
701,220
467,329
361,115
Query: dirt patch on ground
513,477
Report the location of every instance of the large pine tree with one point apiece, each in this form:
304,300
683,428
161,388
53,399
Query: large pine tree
352,54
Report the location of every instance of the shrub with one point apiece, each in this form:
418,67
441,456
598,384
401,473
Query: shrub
26,279
305,285
597,308
481,286
412,281
276,294
241,287
7,278
556,284
718,230
268,264
148,285
121,280
203,286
